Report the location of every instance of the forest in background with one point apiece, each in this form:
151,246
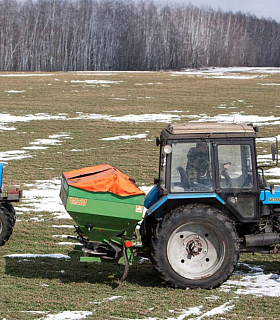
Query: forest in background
72,35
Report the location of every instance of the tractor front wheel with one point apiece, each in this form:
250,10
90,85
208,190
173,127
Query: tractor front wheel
195,246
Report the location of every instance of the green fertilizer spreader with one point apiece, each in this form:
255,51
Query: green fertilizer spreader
106,206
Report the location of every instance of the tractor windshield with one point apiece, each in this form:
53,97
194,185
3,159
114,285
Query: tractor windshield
191,167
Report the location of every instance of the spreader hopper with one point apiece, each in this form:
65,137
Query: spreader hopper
104,202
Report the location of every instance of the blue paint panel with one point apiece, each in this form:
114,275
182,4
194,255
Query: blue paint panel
152,197
267,198
177,196
1,174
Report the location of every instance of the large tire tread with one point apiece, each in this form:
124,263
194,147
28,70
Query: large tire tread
167,223
11,211
6,225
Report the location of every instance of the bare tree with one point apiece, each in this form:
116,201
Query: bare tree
55,35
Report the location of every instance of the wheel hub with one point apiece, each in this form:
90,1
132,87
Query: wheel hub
194,247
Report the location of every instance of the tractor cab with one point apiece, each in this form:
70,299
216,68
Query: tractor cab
210,163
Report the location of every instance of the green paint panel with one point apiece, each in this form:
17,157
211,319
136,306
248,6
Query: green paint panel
105,196
90,259
105,214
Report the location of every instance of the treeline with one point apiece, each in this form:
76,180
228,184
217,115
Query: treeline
53,35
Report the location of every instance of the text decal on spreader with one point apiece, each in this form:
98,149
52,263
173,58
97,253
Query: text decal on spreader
78,202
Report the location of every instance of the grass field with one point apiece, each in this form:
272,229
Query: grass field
51,123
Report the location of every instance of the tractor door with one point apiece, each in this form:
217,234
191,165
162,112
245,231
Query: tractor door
236,179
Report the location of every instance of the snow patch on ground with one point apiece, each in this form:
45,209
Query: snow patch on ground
126,137
68,315
63,226
13,155
146,118
217,311
260,285
95,81
14,91
237,118
35,148
221,71
182,314
113,298
196,311
88,149
43,195
269,84
51,142
6,119
120,99
273,172
276,181
156,117
269,139
235,77
254,282
145,98
185,313
173,111
69,243
28,255
61,236
54,139
36,145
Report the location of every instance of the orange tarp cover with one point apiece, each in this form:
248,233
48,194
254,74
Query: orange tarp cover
102,178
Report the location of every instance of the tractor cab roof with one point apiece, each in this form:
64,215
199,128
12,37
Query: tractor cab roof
209,130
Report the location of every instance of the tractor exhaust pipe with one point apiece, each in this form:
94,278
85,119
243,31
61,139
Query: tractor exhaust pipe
263,239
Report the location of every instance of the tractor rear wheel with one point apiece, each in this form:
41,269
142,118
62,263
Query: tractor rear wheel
6,225
195,246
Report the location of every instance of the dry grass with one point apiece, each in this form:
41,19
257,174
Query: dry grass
39,285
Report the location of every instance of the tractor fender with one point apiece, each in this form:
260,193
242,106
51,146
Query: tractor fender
182,196
152,197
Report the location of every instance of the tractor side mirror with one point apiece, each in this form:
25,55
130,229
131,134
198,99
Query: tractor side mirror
157,141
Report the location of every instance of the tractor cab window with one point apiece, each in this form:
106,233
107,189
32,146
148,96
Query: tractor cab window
235,166
191,167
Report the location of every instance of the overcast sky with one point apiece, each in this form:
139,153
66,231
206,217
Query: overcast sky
260,8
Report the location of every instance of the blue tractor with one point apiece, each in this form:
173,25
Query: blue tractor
7,211
210,201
